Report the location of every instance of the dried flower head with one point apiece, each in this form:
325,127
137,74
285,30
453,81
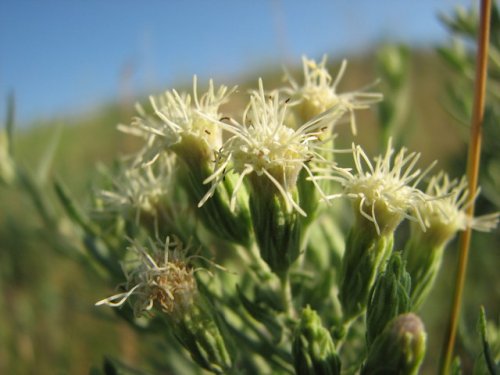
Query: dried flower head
446,214
319,92
264,147
180,117
162,278
382,191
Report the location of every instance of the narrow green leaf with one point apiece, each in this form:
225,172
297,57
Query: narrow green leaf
260,314
490,363
47,158
72,209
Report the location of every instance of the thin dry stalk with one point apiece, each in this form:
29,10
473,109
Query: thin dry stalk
472,174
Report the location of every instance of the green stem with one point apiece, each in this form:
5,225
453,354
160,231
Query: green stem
345,327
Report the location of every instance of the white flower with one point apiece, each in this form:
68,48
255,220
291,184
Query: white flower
446,213
383,191
264,147
162,278
182,117
319,92
141,188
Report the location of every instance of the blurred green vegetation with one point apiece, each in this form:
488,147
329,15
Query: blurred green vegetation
48,322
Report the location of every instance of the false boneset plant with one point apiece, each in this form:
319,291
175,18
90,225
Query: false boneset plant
224,224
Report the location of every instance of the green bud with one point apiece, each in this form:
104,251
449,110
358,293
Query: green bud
313,349
389,297
364,257
399,349
199,334
215,213
423,258
308,196
308,191
278,230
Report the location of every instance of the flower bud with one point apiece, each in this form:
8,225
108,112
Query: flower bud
277,230
215,212
308,196
389,297
423,259
199,333
364,257
313,349
399,349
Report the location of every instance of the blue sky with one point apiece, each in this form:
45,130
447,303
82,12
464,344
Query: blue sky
65,56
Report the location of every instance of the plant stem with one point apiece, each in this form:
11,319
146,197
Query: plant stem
286,294
472,174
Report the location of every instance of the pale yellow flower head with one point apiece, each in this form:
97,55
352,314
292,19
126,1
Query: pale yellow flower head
385,191
318,93
183,121
445,213
263,147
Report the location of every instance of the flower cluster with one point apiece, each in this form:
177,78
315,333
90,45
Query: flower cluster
252,184
266,143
